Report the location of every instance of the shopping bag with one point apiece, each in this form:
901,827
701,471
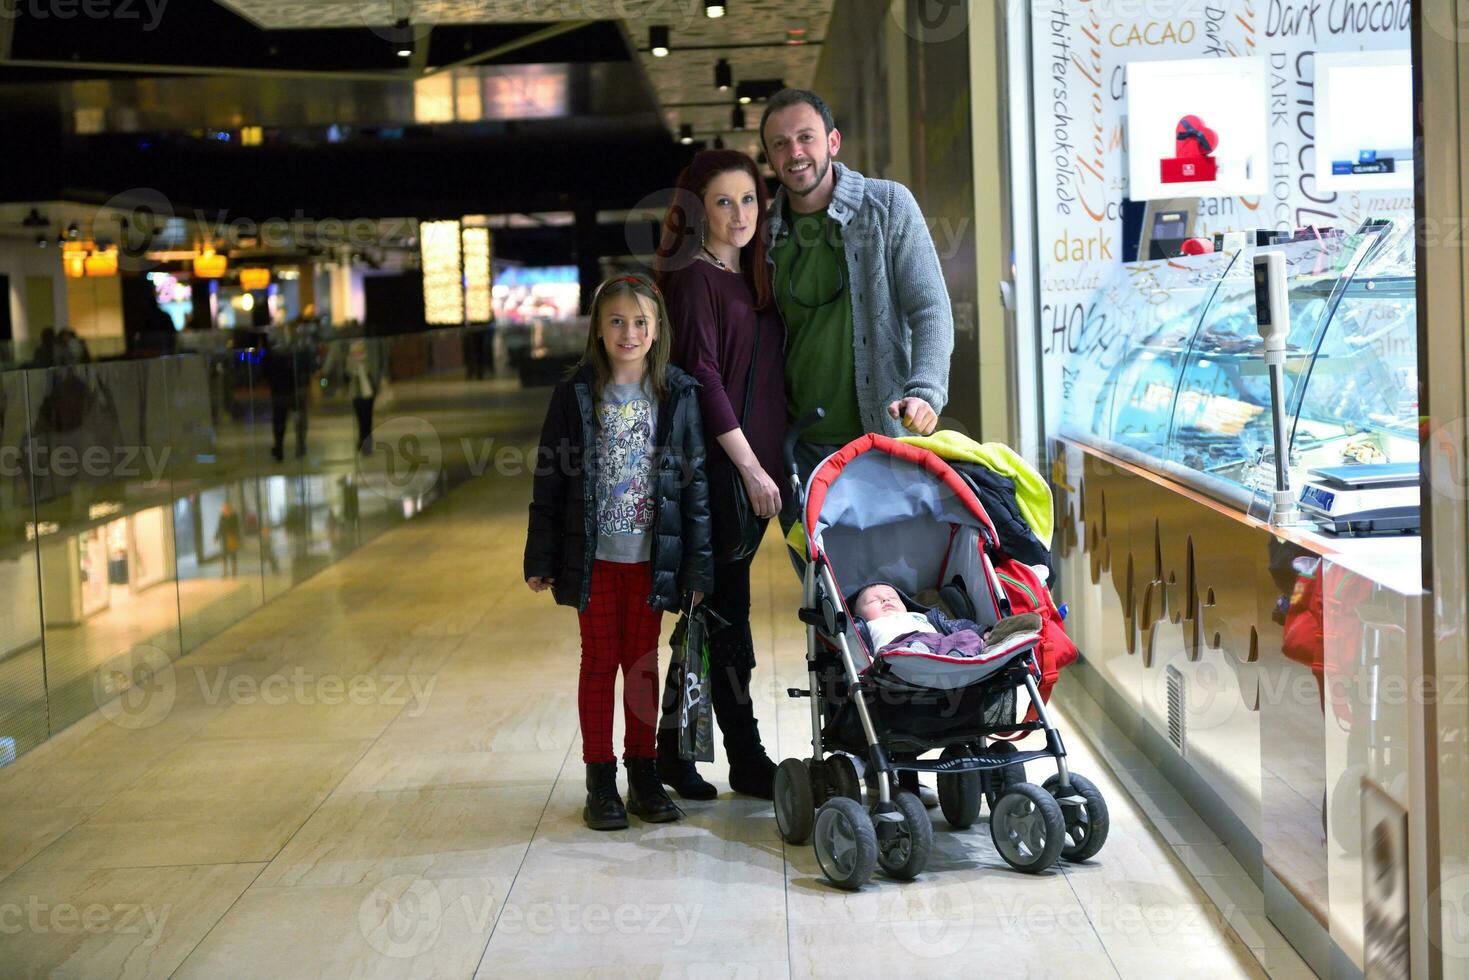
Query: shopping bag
696,698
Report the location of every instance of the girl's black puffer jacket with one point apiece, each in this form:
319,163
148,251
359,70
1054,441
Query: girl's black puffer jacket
562,542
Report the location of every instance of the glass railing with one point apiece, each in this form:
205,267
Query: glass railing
56,352
148,505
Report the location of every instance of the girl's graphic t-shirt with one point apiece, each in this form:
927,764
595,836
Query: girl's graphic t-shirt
625,473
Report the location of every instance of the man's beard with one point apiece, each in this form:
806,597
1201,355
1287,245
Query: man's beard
820,176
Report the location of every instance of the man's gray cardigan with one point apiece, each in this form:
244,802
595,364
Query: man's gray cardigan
902,327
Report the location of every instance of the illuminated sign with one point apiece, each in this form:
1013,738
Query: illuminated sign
34,530
443,283
478,307
104,509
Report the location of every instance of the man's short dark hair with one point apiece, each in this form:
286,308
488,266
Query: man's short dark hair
788,97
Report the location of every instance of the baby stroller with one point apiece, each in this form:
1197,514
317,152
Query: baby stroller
881,509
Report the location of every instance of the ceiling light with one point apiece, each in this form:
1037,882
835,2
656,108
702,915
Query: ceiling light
723,75
254,278
101,263
402,37
737,118
658,36
210,264
757,89
713,9
686,134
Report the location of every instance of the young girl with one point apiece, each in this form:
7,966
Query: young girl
619,528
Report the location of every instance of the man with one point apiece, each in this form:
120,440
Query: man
289,363
856,276
869,331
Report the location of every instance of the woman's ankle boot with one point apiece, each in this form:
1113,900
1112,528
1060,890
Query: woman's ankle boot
604,809
645,796
679,773
751,771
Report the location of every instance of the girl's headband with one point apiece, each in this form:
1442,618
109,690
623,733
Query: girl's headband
635,280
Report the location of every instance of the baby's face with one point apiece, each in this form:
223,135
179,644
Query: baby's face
879,600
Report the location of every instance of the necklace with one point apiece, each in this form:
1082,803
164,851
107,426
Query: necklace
716,259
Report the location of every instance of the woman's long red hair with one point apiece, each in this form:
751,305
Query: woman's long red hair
681,238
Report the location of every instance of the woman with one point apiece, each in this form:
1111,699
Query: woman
362,363
728,334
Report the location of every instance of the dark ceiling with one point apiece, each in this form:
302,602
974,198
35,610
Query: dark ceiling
340,125
202,33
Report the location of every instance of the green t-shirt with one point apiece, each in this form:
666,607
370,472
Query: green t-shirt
815,300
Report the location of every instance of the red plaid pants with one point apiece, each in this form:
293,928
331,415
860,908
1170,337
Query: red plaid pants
619,630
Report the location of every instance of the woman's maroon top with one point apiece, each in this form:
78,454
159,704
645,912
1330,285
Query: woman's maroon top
714,323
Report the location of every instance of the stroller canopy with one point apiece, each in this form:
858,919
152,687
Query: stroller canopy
883,509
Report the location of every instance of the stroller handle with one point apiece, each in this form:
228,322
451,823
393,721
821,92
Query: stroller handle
788,448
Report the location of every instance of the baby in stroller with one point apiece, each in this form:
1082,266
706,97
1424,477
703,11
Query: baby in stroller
887,623
891,681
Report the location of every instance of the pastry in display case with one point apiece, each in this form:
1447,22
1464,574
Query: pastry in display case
1188,393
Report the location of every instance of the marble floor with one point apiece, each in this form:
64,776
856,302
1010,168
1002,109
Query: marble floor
378,774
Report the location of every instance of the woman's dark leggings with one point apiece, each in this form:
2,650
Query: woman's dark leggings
731,660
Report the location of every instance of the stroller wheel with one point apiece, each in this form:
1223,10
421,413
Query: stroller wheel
996,781
1028,828
903,848
846,843
960,793
1086,817
842,778
794,806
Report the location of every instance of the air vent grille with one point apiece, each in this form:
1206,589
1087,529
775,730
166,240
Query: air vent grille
1177,709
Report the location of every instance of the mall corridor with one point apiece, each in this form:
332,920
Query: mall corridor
378,774
1121,350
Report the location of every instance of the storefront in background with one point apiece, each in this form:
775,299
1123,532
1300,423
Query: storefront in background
80,571
1255,656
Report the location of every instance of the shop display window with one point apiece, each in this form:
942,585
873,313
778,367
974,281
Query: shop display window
1186,384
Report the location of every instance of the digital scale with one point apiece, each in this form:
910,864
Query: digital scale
1374,498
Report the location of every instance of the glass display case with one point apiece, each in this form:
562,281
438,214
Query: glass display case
1175,378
